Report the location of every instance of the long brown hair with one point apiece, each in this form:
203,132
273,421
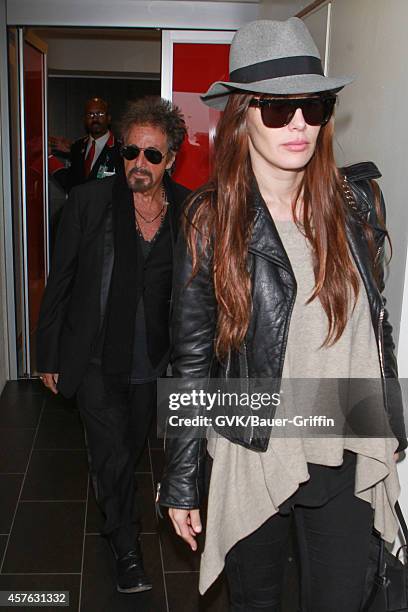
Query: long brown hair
223,222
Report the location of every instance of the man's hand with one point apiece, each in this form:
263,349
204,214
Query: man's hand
187,524
50,381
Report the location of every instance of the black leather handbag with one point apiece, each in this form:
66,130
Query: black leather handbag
386,588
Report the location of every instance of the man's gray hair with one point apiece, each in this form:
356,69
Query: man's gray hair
157,112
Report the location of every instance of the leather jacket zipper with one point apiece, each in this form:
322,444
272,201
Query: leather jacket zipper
377,255
292,305
246,373
380,341
381,356
157,501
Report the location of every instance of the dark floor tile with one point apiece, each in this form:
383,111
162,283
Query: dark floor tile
182,593
44,583
20,410
144,494
177,556
58,402
3,543
10,485
56,475
18,387
15,446
60,429
94,520
99,581
46,538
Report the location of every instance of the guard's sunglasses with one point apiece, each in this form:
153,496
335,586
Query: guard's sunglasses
96,114
154,156
278,112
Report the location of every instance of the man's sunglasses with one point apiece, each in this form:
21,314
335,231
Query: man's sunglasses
277,112
154,156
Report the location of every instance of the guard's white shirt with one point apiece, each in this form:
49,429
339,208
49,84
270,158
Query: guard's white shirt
99,145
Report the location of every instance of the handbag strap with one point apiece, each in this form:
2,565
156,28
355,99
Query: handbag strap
380,577
402,523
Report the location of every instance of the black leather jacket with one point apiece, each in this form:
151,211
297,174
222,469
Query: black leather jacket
263,352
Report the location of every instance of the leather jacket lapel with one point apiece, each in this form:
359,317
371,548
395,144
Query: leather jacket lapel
265,240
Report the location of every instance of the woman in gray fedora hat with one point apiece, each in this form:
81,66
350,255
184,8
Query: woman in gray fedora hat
280,277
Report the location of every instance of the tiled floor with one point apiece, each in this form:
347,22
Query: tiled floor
49,521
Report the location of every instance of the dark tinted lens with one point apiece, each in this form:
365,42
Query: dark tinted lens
317,111
154,156
130,152
276,113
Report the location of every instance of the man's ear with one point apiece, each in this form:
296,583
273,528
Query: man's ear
170,159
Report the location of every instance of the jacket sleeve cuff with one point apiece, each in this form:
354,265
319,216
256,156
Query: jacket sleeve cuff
402,445
183,480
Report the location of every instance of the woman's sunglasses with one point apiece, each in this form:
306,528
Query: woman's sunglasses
154,156
277,113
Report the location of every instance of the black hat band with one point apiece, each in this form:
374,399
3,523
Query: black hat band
273,69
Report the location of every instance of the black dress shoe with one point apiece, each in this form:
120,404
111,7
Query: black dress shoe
131,577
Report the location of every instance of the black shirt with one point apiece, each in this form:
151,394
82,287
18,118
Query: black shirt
142,369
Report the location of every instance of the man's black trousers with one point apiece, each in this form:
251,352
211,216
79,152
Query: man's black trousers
116,418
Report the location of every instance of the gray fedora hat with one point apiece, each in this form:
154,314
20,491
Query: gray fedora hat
274,57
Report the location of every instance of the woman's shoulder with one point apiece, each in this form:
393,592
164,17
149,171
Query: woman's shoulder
362,171
362,192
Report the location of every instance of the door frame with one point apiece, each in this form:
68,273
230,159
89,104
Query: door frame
10,351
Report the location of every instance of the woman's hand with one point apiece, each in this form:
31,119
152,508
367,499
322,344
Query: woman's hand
187,524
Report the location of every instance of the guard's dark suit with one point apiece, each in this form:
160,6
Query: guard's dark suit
108,161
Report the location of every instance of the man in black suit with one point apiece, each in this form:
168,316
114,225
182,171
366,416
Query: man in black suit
96,155
103,327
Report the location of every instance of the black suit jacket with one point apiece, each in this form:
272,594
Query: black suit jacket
76,294
109,159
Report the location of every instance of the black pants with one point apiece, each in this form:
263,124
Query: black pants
333,543
116,419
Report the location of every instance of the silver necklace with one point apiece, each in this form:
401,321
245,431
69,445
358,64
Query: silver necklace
159,214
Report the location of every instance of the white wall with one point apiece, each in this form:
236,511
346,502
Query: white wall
317,23
280,9
369,39
103,54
